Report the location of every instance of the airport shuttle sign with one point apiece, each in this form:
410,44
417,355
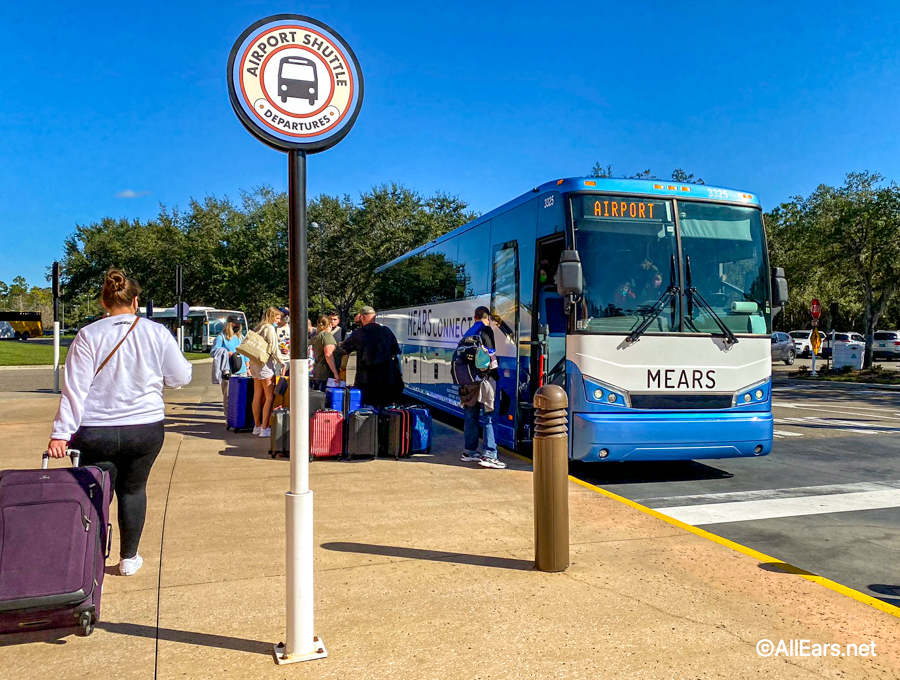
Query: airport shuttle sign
294,83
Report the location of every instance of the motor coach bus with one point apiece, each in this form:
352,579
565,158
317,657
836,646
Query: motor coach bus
650,302
20,325
202,327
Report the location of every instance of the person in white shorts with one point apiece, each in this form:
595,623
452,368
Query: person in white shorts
264,374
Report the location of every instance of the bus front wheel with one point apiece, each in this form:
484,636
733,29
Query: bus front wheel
17,335
25,335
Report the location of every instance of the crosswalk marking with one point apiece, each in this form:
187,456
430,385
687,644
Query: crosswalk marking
743,511
785,433
658,502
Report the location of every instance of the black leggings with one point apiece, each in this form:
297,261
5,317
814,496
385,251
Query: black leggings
128,452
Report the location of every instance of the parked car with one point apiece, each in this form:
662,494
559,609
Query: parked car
783,348
840,337
887,345
802,343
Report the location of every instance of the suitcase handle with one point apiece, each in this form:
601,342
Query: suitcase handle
74,454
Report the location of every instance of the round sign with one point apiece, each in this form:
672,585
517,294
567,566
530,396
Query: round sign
294,83
815,309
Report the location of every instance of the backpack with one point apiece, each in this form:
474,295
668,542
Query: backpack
470,361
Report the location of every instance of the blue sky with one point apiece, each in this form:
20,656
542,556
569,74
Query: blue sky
481,100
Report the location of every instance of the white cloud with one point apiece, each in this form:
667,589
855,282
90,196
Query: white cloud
128,193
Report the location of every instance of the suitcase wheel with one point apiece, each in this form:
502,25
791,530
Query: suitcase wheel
86,621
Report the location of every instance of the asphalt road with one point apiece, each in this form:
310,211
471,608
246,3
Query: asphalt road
827,499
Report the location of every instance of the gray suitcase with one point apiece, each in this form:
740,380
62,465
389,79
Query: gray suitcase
280,439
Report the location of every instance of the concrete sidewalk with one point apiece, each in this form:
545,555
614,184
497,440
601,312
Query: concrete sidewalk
423,570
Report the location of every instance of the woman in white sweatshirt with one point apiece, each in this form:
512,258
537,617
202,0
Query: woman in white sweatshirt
112,407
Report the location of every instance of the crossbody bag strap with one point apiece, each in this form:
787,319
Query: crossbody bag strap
110,355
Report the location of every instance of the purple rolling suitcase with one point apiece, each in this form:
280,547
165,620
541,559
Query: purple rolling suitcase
54,540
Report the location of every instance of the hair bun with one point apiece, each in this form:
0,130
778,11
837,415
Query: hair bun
115,280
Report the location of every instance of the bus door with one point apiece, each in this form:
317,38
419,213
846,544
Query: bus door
505,314
550,320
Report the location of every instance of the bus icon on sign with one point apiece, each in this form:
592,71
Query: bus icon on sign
297,78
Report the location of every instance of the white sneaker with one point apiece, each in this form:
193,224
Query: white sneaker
265,432
129,566
256,430
492,463
470,457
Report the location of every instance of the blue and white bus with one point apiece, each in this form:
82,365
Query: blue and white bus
664,344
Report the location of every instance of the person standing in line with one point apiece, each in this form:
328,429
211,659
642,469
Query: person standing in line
227,342
481,397
336,329
263,374
327,359
283,339
111,408
376,350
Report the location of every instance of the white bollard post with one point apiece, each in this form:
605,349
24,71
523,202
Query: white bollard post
301,643
56,357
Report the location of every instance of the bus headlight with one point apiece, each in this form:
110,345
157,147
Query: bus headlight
759,394
747,398
598,394
611,398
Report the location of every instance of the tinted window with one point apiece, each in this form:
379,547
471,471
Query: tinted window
474,257
423,279
800,335
886,336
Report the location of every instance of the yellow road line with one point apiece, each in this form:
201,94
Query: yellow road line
750,552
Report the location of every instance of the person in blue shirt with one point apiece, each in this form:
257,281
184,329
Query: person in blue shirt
228,340
481,397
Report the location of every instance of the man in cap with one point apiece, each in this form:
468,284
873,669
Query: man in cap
377,369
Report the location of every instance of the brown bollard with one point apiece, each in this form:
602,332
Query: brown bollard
551,479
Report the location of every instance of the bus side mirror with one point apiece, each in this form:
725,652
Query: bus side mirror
569,277
779,287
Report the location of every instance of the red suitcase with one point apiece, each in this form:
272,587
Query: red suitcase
326,435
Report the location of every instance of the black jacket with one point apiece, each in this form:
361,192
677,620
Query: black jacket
375,346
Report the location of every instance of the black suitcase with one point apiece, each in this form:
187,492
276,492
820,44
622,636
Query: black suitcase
316,402
362,433
394,432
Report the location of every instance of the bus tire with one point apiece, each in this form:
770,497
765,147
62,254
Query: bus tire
17,336
26,335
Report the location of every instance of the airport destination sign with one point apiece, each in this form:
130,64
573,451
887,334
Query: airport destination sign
294,83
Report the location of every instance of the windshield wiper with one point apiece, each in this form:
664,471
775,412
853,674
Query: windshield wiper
658,306
691,293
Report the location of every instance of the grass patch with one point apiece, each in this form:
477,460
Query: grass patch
15,353
876,375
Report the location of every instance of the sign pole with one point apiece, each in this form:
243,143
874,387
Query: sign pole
180,327
815,311
296,85
55,277
301,643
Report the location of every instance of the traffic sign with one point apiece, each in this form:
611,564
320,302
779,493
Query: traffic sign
295,83
815,340
815,309
815,322
181,310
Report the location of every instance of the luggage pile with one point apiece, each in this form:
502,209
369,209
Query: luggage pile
341,427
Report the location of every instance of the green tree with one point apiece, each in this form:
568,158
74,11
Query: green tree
678,175
842,244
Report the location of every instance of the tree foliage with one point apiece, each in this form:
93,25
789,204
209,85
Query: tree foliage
840,245
678,174
235,255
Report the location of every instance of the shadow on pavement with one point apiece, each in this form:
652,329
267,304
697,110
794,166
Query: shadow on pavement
640,473
784,568
188,637
892,593
431,555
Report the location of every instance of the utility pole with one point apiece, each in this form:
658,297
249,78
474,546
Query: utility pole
55,279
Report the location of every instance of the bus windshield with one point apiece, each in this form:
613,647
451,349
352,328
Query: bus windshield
629,253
